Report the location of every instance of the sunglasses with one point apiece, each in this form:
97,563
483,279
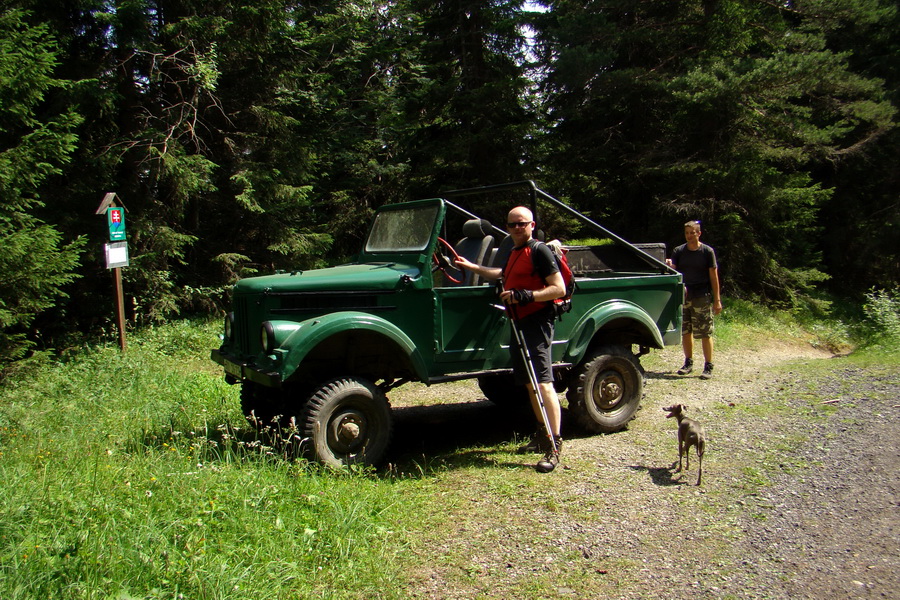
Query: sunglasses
518,224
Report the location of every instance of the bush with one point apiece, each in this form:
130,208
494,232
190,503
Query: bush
882,311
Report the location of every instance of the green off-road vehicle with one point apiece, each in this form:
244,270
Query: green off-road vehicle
326,346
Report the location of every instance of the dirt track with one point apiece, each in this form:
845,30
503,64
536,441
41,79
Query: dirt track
800,499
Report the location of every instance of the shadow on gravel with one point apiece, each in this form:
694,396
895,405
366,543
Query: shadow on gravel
456,435
664,376
659,475
446,432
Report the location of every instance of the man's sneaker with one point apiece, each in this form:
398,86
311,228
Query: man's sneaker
688,366
551,458
707,371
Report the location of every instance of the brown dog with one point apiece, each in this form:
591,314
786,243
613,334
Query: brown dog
690,433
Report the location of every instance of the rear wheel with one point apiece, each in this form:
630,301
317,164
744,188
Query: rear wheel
348,421
606,389
503,391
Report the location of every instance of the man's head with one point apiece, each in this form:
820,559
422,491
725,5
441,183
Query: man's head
692,234
520,224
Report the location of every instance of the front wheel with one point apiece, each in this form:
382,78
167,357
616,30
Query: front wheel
606,389
348,421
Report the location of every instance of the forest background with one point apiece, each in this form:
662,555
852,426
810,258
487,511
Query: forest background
248,136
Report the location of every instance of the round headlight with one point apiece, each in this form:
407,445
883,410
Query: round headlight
229,326
267,337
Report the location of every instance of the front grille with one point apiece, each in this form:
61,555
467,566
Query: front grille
242,324
251,310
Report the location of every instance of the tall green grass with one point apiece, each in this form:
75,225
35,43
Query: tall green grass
841,326
132,476
743,322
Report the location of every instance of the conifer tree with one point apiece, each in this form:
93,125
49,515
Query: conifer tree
35,261
718,110
465,122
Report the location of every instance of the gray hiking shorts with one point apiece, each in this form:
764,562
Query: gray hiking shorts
537,330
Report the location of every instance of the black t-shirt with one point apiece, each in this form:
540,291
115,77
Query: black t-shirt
694,266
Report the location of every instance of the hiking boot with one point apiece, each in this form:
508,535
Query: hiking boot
551,458
688,366
707,371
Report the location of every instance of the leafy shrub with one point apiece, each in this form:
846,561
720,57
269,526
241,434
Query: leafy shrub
882,311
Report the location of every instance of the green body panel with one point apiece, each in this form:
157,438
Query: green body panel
604,314
368,276
643,310
311,333
468,330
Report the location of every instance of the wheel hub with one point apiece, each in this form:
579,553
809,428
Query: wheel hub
609,388
347,431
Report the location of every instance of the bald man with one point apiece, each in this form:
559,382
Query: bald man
531,281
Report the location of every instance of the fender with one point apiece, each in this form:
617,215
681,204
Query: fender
312,332
592,322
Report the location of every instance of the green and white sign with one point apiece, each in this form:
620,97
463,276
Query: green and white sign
115,218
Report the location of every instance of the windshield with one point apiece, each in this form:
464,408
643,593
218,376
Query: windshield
406,230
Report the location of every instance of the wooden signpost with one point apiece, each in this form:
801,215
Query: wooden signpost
116,254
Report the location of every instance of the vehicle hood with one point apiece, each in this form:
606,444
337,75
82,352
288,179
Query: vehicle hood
352,277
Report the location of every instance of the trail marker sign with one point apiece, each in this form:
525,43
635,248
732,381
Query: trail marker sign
116,254
115,218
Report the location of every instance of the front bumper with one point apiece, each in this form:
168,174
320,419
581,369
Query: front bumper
237,370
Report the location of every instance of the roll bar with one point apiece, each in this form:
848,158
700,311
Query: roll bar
534,192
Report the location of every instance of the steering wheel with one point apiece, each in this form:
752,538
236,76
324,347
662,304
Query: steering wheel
442,263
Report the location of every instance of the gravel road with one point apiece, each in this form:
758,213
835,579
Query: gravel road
800,497
833,529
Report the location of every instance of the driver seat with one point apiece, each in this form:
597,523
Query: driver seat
475,246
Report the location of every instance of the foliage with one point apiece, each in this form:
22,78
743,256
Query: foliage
464,122
35,260
723,111
244,137
882,310
863,217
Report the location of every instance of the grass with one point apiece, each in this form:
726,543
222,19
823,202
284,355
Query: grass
131,475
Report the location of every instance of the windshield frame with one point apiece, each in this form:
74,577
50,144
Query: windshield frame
406,228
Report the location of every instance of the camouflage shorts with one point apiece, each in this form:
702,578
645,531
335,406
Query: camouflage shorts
697,317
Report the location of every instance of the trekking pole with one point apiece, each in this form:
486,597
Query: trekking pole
532,374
